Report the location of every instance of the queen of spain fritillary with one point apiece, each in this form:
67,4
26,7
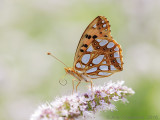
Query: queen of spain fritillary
98,55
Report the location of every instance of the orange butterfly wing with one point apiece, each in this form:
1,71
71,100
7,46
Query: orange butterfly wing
97,54
95,28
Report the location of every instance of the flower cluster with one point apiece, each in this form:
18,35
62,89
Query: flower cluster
84,105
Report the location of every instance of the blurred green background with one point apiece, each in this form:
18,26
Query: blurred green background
30,28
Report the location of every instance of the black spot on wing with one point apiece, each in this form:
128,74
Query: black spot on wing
85,45
89,36
81,50
94,36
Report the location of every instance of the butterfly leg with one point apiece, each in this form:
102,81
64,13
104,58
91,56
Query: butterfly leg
77,85
91,84
73,85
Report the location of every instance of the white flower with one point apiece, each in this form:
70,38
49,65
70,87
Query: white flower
103,94
124,100
130,91
112,107
112,91
115,98
93,104
64,113
120,83
84,105
88,114
119,93
90,95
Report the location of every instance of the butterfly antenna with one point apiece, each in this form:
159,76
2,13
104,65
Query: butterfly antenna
56,58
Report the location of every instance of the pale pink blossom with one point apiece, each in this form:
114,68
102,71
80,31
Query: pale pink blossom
84,105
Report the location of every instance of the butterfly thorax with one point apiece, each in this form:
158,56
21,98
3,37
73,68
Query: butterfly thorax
78,76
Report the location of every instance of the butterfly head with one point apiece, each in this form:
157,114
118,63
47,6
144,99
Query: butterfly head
69,70
75,74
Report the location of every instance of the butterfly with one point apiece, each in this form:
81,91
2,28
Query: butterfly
98,55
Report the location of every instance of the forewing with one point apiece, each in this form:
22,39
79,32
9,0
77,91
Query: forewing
99,27
102,58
